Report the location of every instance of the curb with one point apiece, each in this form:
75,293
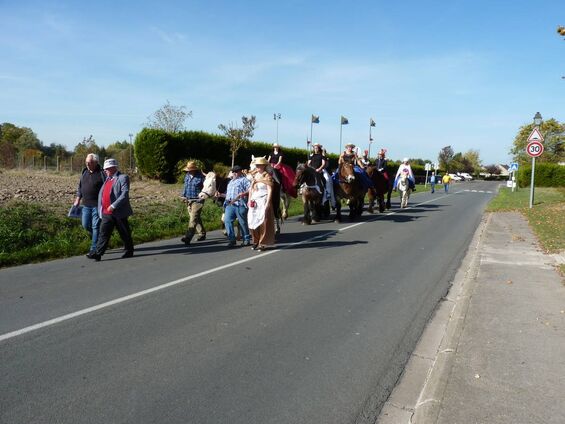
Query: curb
417,397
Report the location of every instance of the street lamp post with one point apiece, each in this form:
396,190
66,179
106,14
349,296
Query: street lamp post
277,117
538,120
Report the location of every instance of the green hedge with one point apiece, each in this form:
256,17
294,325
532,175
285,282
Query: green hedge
547,175
157,152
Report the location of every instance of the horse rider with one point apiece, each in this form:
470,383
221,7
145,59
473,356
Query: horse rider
405,167
382,163
318,161
349,156
275,159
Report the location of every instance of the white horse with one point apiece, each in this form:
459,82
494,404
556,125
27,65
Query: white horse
208,186
405,190
284,197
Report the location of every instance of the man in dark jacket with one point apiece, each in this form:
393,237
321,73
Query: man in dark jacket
114,209
89,186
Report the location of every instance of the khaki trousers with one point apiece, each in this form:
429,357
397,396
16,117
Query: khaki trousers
195,221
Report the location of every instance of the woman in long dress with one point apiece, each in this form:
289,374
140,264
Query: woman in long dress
260,216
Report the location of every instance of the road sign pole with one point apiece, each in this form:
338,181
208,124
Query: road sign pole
532,183
426,182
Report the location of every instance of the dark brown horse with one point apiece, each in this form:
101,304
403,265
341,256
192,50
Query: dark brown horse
380,188
309,185
349,187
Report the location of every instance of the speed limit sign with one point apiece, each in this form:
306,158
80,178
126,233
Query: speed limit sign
534,149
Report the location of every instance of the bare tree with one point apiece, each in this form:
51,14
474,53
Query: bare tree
239,137
169,118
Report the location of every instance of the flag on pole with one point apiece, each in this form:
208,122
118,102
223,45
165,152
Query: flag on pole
344,120
372,123
315,119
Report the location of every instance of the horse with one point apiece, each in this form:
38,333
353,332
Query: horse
280,201
310,186
208,186
380,184
404,186
348,187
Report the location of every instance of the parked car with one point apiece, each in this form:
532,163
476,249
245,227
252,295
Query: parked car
465,175
456,177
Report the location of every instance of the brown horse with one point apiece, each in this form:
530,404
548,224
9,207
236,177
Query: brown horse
309,184
349,187
380,188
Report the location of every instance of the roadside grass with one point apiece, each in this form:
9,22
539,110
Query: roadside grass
35,232
547,217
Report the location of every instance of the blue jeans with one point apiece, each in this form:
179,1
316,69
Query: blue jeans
433,187
446,186
91,223
240,212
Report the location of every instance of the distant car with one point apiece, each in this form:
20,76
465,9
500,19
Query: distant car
466,176
455,177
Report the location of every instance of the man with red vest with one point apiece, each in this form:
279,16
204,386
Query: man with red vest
114,209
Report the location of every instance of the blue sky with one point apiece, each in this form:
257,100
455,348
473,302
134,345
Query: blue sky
430,73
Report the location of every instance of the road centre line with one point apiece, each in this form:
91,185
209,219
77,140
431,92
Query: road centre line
123,299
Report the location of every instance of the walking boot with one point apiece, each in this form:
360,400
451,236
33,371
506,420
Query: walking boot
187,238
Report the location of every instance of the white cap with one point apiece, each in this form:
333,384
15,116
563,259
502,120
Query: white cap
405,160
109,163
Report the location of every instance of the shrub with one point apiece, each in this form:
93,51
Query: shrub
157,152
547,175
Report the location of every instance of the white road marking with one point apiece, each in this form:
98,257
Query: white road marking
100,306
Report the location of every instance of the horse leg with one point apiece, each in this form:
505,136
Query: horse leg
337,210
285,203
389,193
381,201
307,219
371,196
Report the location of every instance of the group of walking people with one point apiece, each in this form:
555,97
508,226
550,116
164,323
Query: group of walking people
104,194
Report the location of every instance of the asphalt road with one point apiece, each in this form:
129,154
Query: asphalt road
316,331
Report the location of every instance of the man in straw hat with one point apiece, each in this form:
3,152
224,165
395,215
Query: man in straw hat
114,208
193,183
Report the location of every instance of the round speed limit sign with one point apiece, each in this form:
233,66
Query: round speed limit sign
534,149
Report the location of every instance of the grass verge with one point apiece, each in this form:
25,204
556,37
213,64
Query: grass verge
33,232
547,217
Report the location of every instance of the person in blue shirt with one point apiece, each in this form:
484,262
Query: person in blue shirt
193,183
433,180
236,206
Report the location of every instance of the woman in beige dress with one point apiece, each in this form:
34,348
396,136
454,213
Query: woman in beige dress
260,217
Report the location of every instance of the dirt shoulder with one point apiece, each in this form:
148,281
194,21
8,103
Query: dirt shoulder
60,188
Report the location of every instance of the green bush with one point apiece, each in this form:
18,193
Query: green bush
547,175
158,153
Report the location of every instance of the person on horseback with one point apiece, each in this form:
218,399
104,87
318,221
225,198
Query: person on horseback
318,161
405,167
365,159
275,159
349,156
382,163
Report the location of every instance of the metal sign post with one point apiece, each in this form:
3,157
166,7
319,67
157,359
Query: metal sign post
534,149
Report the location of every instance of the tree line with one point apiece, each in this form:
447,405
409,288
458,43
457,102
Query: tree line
21,148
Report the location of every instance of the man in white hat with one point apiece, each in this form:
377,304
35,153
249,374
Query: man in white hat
114,208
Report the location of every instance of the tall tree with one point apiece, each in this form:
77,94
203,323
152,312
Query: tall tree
239,137
169,118
473,159
554,142
445,156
